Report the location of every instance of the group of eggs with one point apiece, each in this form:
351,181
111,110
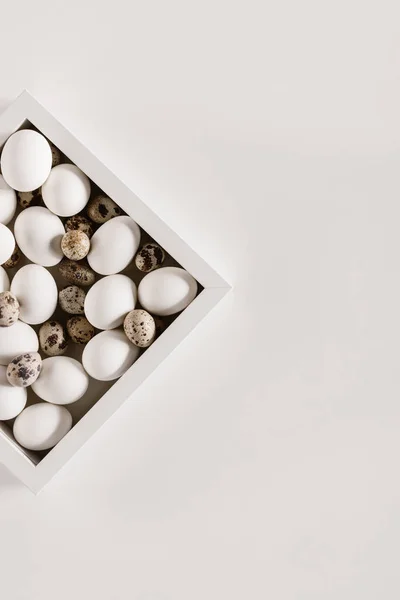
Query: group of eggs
32,174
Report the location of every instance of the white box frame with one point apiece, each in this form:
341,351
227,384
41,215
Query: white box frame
21,464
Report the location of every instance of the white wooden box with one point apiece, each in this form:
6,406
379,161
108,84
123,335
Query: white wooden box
32,471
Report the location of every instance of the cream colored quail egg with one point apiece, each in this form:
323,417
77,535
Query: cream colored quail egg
24,369
9,309
52,338
75,244
140,328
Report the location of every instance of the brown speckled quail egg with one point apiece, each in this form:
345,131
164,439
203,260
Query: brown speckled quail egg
72,300
14,259
101,209
52,338
26,199
76,273
75,244
24,369
140,328
149,257
56,155
9,309
80,330
80,223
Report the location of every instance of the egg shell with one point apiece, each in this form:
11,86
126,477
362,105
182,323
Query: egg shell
149,257
37,293
7,243
24,369
38,233
12,399
109,355
75,244
114,245
20,338
77,273
14,259
26,160
66,190
62,380
4,280
101,209
9,309
26,199
72,300
167,291
109,300
80,330
53,338
41,426
140,328
79,223
8,202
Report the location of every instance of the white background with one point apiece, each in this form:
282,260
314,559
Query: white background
261,460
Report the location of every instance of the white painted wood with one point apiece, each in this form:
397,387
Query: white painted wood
21,464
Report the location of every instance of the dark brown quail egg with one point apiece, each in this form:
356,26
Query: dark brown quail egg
76,273
149,257
80,330
26,199
72,300
80,223
101,209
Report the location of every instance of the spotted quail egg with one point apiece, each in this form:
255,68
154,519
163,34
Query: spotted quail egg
101,209
26,199
149,257
140,328
72,300
56,155
9,309
24,369
52,338
14,259
75,244
80,330
77,273
80,223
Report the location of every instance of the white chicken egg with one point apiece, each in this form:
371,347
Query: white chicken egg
109,355
12,399
62,380
7,243
41,426
109,300
167,291
17,339
37,293
114,245
66,191
4,280
26,160
8,202
39,233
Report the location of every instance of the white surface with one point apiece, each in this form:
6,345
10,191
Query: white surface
267,134
114,245
66,190
12,399
109,300
109,355
38,233
37,294
62,380
7,243
17,339
8,202
42,426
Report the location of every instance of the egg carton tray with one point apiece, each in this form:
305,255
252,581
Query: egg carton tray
102,399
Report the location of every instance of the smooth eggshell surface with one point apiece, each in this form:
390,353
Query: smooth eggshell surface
66,191
17,339
114,245
26,160
12,399
167,291
4,280
7,243
38,233
62,380
41,426
109,355
37,293
109,300
8,202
